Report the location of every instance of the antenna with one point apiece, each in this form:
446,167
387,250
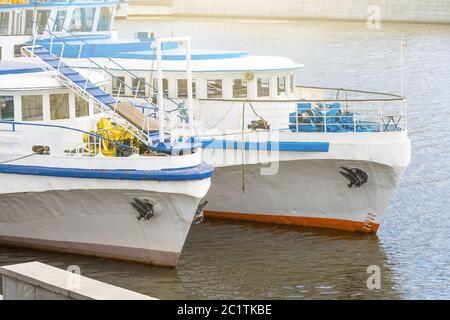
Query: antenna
403,44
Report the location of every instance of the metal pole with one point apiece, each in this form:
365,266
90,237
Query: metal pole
160,91
402,44
61,56
190,100
79,54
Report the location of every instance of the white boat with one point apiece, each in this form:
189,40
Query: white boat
335,155
84,173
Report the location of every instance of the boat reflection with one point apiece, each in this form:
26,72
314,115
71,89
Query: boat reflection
247,260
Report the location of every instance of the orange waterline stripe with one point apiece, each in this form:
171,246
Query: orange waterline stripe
327,223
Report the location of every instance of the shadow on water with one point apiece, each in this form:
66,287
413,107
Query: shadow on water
245,260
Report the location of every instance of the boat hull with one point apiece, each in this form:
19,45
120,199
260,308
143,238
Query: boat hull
80,218
309,193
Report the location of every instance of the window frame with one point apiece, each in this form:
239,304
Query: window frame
237,96
7,107
214,96
56,26
82,28
260,87
134,82
283,89
100,18
78,113
194,88
5,25
40,117
51,107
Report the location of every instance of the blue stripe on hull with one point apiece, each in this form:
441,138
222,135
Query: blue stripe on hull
199,172
277,146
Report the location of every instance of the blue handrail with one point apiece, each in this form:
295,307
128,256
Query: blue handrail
33,124
61,39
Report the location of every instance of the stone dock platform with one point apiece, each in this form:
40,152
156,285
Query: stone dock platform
38,281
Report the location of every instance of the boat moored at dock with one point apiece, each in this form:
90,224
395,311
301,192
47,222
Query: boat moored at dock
334,156
84,173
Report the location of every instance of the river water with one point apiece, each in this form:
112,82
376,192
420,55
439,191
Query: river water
251,260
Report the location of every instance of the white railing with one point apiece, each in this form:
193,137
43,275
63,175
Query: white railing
345,113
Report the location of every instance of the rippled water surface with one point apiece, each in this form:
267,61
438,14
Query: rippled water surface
247,260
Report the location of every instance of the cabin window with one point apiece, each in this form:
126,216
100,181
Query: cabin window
82,20
4,23
104,22
59,20
32,109
292,83
59,106
263,87
7,108
239,88
139,87
81,107
18,50
96,110
29,22
281,85
182,88
42,20
214,88
165,86
118,84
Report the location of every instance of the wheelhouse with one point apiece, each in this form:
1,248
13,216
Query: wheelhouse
28,94
19,17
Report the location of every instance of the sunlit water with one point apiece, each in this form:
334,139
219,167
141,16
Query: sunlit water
247,260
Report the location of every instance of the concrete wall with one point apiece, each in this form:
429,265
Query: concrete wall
151,2
435,11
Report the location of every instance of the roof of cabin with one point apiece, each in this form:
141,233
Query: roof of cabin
137,54
239,64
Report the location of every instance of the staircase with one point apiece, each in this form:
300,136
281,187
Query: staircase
138,126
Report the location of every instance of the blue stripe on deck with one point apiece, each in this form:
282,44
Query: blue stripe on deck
268,145
199,172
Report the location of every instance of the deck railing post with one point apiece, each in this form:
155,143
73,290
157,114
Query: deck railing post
190,100
137,89
160,91
51,44
380,116
79,54
61,56
88,75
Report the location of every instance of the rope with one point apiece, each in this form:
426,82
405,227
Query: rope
17,159
224,116
264,120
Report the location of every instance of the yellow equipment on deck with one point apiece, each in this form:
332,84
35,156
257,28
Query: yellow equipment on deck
112,133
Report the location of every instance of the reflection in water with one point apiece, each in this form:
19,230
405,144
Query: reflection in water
245,260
